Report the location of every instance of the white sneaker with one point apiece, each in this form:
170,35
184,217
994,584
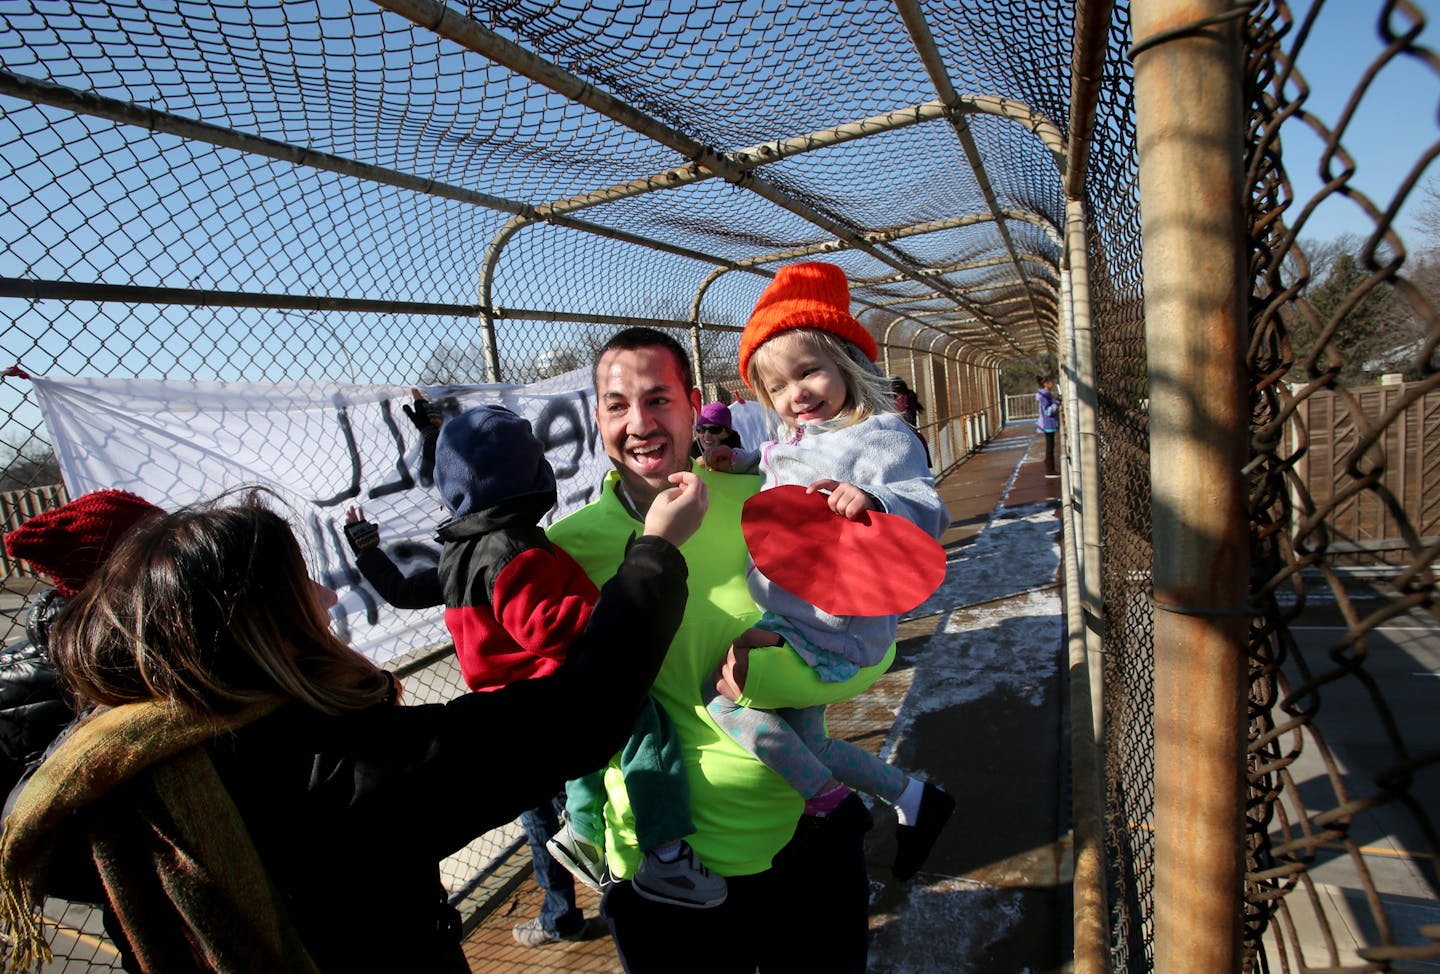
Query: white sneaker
584,859
684,882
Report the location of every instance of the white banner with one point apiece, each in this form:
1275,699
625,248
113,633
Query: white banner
752,423
321,447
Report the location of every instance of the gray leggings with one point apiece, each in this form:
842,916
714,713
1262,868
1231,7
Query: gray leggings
793,743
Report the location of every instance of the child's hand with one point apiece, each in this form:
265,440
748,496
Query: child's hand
729,676
675,514
425,414
847,500
718,458
360,533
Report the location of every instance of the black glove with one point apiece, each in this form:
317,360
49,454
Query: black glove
362,535
425,414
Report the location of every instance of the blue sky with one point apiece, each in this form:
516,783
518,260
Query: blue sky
1395,124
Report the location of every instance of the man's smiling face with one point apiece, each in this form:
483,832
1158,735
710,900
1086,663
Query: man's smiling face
646,417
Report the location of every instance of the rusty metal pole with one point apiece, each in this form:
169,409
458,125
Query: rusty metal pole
1189,124
1085,449
997,394
485,290
1084,609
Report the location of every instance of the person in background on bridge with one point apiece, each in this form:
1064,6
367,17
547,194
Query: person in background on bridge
1047,419
908,405
715,428
234,730
813,365
798,891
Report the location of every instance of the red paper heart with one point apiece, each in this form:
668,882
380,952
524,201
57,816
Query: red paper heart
877,565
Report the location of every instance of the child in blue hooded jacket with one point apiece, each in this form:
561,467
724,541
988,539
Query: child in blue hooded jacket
514,602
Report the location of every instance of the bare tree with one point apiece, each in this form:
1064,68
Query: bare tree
33,464
454,365
1427,216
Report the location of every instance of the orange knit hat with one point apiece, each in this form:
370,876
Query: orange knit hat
809,295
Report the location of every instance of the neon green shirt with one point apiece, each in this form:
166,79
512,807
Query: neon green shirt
744,813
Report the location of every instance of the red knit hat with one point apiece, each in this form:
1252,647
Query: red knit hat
809,295
70,542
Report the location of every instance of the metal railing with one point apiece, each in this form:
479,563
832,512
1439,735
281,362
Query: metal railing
1021,407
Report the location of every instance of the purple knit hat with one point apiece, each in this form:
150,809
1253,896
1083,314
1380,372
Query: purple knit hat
716,414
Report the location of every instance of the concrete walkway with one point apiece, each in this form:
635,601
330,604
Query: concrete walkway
975,702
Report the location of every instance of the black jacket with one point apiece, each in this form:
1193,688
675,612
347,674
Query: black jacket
33,708
352,813
419,591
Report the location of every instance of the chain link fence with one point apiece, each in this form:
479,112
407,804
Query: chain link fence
1339,835
1123,464
1344,521
417,193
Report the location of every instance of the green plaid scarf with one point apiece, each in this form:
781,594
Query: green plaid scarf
178,866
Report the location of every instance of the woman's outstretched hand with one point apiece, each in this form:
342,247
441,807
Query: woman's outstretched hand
718,458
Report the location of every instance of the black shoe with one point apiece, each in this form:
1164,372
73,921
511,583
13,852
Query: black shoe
914,842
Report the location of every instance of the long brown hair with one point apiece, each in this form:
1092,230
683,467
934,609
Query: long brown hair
209,608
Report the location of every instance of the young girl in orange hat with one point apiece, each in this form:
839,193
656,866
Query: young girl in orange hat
813,365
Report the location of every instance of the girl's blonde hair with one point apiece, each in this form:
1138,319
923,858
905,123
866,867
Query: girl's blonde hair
210,608
867,392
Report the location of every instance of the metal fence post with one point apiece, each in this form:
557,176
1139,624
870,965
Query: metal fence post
1085,454
486,288
1084,603
1189,130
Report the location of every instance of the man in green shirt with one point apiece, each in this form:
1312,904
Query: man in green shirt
798,889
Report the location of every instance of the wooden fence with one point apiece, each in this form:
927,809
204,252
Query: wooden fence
17,506
1404,458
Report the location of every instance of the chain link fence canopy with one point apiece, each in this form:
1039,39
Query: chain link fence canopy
505,177
426,193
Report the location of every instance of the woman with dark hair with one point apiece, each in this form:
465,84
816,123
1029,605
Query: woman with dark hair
716,427
249,792
908,405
